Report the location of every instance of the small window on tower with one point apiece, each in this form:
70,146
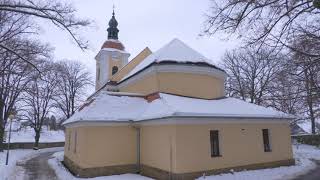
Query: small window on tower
114,70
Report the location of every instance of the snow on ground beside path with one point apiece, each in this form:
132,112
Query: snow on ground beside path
14,156
302,154
64,174
15,171
17,156
27,135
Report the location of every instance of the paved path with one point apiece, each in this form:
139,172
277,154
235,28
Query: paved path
311,175
37,168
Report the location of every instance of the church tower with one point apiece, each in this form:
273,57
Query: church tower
112,56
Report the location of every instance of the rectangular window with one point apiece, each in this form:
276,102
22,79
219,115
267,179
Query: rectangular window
69,139
266,140
214,141
75,141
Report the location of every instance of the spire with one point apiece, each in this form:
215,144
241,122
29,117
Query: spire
113,30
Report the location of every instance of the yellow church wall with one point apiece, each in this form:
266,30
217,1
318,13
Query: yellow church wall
186,148
101,146
147,85
158,147
180,148
75,144
132,64
193,85
185,84
240,145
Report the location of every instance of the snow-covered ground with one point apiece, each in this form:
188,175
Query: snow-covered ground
19,156
27,135
306,125
302,153
14,155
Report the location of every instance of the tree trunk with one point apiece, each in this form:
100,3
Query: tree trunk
36,140
313,119
1,138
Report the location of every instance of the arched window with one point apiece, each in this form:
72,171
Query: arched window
114,70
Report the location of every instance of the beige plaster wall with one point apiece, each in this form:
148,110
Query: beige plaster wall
104,146
185,84
193,85
158,146
180,148
147,85
240,144
75,144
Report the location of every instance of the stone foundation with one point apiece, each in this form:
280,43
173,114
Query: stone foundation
164,175
161,174
99,171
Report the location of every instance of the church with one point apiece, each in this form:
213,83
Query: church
165,115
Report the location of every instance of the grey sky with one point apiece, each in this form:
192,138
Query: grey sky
142,23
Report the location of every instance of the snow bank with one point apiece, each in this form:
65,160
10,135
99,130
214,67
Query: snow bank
17,172
14,156
64,174
303,155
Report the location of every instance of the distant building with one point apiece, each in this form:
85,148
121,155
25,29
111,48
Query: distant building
164,114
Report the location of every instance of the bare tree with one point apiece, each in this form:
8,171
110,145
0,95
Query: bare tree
308,72
275,22
14,76
286,92
74,81
61,15
39,96
250,73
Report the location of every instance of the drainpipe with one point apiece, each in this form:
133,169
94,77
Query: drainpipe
137,128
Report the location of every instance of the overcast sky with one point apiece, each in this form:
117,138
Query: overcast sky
142,23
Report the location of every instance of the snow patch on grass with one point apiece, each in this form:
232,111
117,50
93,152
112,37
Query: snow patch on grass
27,135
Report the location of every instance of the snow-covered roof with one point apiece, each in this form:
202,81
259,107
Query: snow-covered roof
115,50
176,51
106,107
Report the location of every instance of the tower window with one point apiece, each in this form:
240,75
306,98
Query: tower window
98,73
114,70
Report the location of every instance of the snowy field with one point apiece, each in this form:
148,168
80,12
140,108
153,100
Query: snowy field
302,154
27,135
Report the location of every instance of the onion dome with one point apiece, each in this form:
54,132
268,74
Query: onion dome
113,28
115,44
